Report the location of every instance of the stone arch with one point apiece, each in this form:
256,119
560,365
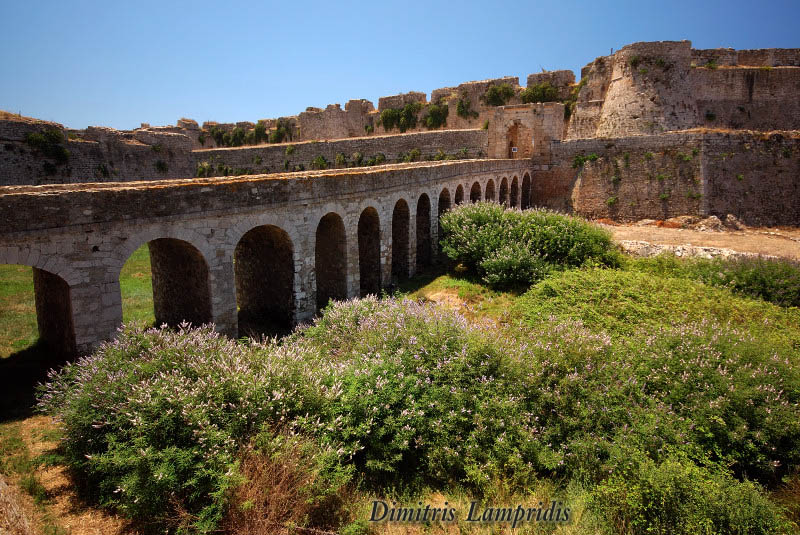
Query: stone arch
264,279
330,259
503,199
52,302
423,232
489,190
444,206
526,191
369,251
459,199
475,192
181,285
400,247
514,192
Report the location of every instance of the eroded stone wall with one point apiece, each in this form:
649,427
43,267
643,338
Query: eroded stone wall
649,88
290,156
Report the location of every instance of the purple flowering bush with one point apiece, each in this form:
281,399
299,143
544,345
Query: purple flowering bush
399,394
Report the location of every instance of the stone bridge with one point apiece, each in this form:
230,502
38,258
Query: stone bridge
232,250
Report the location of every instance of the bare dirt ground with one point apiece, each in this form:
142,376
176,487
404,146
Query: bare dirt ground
63,512
777,241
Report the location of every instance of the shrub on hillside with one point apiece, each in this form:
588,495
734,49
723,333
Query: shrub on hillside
406,394
486,237
771,279
678,497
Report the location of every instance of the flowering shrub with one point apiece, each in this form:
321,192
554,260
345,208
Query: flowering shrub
505,247
406,394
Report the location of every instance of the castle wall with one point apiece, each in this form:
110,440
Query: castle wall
750,98
649,88
103,154
754,176
279,158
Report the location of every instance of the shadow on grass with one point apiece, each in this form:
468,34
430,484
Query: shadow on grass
20,373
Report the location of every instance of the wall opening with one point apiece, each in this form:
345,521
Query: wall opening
369,252
514,192
504,192
475,193
459,194
35,313
181,289
513,141
526,191
136,288
423,232
444,206
263,265
490,190
400,223
330,260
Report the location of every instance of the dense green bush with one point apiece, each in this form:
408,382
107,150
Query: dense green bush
436,116
678,497
403,118
498,94
486,237
543,92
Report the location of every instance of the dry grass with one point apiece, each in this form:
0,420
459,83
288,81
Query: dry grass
277,493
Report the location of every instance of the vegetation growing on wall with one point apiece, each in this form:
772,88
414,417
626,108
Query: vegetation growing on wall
50,144
436,116
464,108
498,94
543,92
403,119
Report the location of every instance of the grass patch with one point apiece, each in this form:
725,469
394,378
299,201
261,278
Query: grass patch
18,328
622,302
136,286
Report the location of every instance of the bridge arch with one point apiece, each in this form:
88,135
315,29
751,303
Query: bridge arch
489,190
423,231
503,199
330,259
400,240
52,303
526,191
459,197
264,269
369,251
514,195
475,192
179,272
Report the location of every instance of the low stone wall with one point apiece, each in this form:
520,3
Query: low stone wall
290,156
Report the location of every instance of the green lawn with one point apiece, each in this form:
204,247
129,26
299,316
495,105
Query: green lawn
18,329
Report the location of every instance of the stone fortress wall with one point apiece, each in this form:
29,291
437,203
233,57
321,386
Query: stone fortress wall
651,97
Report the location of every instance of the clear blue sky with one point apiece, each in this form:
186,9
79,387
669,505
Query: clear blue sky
119,63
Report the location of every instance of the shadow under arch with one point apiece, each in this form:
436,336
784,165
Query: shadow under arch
400,242
263,265
489,190
475,193
330,259
423,232
369,252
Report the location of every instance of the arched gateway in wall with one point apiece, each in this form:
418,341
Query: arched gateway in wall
234,252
